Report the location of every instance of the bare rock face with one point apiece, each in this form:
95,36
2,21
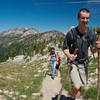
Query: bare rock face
16,31
30,31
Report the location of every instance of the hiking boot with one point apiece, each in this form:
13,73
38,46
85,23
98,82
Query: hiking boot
71,98
52,77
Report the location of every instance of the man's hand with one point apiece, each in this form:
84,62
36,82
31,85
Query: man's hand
72,57
93,49
98,44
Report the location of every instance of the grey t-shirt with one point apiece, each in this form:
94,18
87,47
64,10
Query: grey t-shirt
75,39
53,56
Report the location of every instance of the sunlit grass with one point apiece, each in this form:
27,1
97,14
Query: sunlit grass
90,93
21,79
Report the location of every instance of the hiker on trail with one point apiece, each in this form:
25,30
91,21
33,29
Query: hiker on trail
79,37
53,62
58,63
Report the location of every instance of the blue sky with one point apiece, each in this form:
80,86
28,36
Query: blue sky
45,15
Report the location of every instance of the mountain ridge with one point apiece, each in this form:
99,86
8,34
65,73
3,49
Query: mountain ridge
28,42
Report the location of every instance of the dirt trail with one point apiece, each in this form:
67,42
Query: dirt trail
51,88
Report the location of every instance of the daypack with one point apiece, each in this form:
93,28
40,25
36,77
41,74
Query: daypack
75,36
58,59
82,42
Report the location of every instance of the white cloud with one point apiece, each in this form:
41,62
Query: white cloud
87,1
93,1
38,2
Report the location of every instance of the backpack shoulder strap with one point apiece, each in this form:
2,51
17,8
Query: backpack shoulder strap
75,36
73,33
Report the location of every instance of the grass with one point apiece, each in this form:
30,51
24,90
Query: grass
90,93
25,79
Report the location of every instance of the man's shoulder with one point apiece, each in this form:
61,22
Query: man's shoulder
71,31
90,32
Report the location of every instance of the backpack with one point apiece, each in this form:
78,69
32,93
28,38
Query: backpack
58,59
75,36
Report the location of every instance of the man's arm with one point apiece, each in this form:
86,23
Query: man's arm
72,57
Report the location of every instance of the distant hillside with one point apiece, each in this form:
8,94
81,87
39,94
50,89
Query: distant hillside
28,42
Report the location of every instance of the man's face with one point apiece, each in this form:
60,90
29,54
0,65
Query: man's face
84,18
53,50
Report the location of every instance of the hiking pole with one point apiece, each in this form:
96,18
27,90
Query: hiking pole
66,76
93,54
98,83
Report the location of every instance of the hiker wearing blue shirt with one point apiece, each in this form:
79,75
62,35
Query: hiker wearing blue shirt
82,38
